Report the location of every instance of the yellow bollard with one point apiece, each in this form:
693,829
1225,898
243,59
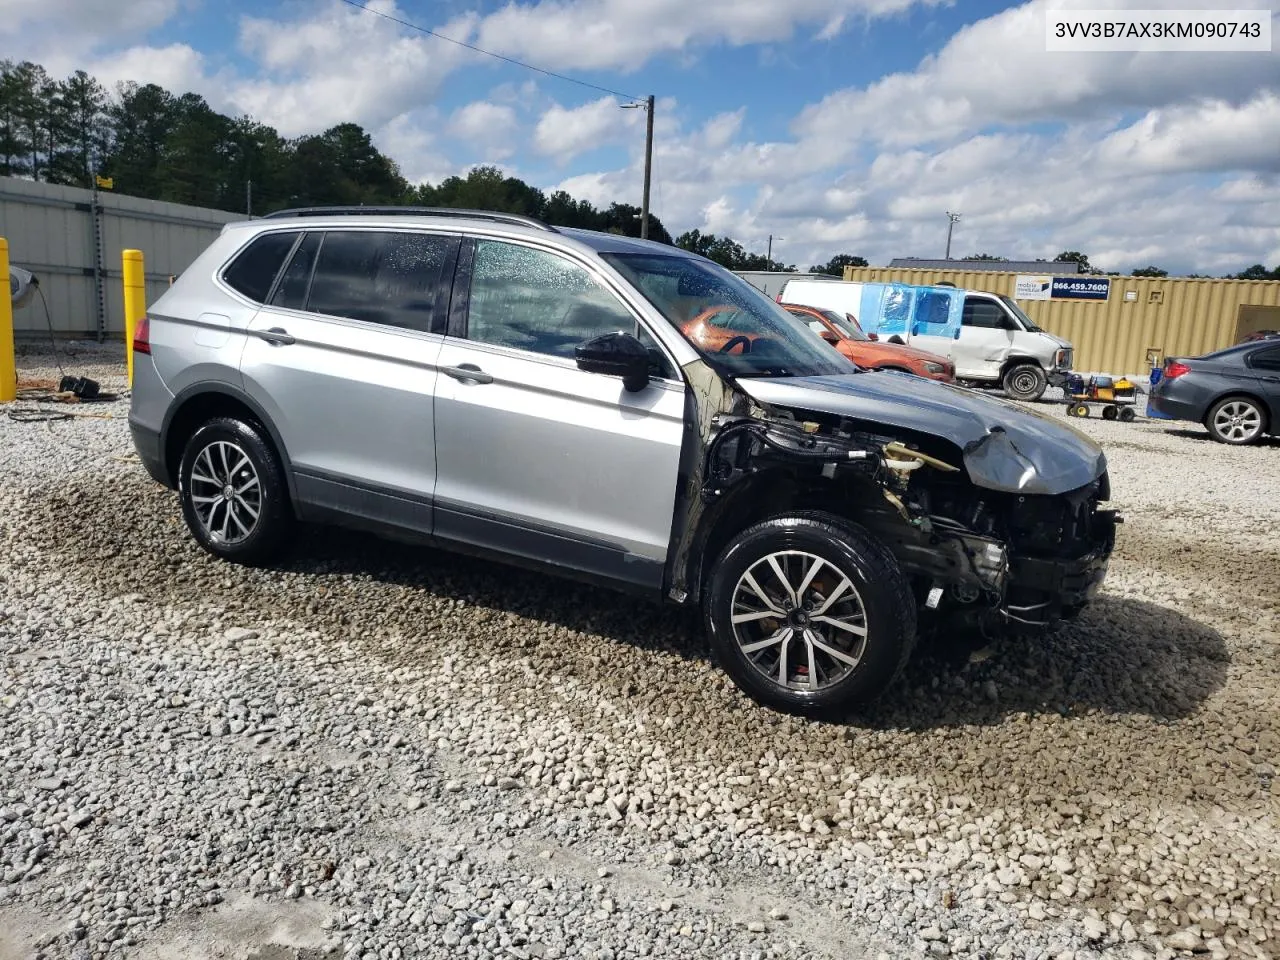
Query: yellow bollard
135,302
8,367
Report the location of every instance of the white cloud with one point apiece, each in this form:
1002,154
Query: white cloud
341,64
1210,135
565,132
488,128
996,71
176,67
624,34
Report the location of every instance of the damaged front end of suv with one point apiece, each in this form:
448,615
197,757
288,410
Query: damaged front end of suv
995,514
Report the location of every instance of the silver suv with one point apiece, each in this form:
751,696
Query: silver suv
611,410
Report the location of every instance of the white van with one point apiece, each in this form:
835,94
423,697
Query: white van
996,343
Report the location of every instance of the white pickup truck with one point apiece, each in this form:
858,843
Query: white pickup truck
986,335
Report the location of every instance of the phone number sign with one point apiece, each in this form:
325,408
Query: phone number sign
1061,288
1082,288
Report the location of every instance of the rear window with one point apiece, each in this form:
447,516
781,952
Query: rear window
254,269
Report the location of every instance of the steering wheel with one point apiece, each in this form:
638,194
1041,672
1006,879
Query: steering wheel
735,341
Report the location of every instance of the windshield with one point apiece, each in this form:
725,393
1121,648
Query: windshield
735,327
846,325
1017,312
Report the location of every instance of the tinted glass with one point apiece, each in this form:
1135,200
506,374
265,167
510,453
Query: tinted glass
291,291
254,270
538,301
734,326
379,277
983,314
845,325
1268,359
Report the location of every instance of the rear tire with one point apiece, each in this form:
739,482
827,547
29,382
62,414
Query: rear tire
1026,381
1236,420
234,497
830,627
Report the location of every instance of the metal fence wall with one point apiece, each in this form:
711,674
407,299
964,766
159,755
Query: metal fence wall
71,239
1174,316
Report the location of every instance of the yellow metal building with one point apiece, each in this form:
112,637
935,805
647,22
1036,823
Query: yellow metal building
1142,321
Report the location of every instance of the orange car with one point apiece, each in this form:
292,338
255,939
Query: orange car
845,335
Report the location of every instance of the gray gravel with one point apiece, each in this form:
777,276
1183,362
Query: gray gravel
377,751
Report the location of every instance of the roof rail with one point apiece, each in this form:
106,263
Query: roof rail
414,212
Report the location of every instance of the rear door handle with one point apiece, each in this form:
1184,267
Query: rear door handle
276,336
467,373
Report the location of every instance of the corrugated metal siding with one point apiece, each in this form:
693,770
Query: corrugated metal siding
50,232
1187,317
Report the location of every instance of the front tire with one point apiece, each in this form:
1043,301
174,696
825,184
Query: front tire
1026,381
234,498
807,614
1236,420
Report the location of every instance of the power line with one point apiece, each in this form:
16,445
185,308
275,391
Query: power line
487,53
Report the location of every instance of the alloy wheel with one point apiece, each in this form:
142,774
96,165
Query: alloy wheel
799,620
226,492
1237,421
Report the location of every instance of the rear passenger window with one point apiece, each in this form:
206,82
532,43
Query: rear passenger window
291,292
1265,359
254,270
379,277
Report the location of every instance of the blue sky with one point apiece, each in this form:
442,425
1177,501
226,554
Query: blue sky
838,126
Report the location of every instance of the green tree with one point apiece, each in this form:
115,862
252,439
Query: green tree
1149,272
33,94
85,133
15,148
835,266
1256,272
984,256
197,155
1075,256
141,120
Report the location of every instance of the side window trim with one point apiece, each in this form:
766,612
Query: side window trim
460,297
460,306
284,268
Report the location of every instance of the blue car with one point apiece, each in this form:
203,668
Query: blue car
1234,392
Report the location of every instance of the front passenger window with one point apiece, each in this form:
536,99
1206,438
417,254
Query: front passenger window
538,301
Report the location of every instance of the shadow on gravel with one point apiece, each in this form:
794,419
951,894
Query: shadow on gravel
1203,437
1122,656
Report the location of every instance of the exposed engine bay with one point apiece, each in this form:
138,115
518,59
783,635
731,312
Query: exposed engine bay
998,558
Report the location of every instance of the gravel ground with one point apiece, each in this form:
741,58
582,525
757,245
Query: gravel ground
378,751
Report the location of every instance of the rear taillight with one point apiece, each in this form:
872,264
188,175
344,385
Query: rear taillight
142,336
1175,369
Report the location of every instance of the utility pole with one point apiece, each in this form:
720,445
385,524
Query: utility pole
248,198
769,256
952,219
647,107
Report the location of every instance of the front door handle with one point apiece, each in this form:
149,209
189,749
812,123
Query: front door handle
467,373
276,336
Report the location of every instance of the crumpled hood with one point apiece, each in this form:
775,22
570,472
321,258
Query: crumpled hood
1006,446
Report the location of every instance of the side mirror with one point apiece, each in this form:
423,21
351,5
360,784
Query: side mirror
873,336
830,337
618,355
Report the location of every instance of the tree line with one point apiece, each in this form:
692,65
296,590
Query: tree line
153,144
